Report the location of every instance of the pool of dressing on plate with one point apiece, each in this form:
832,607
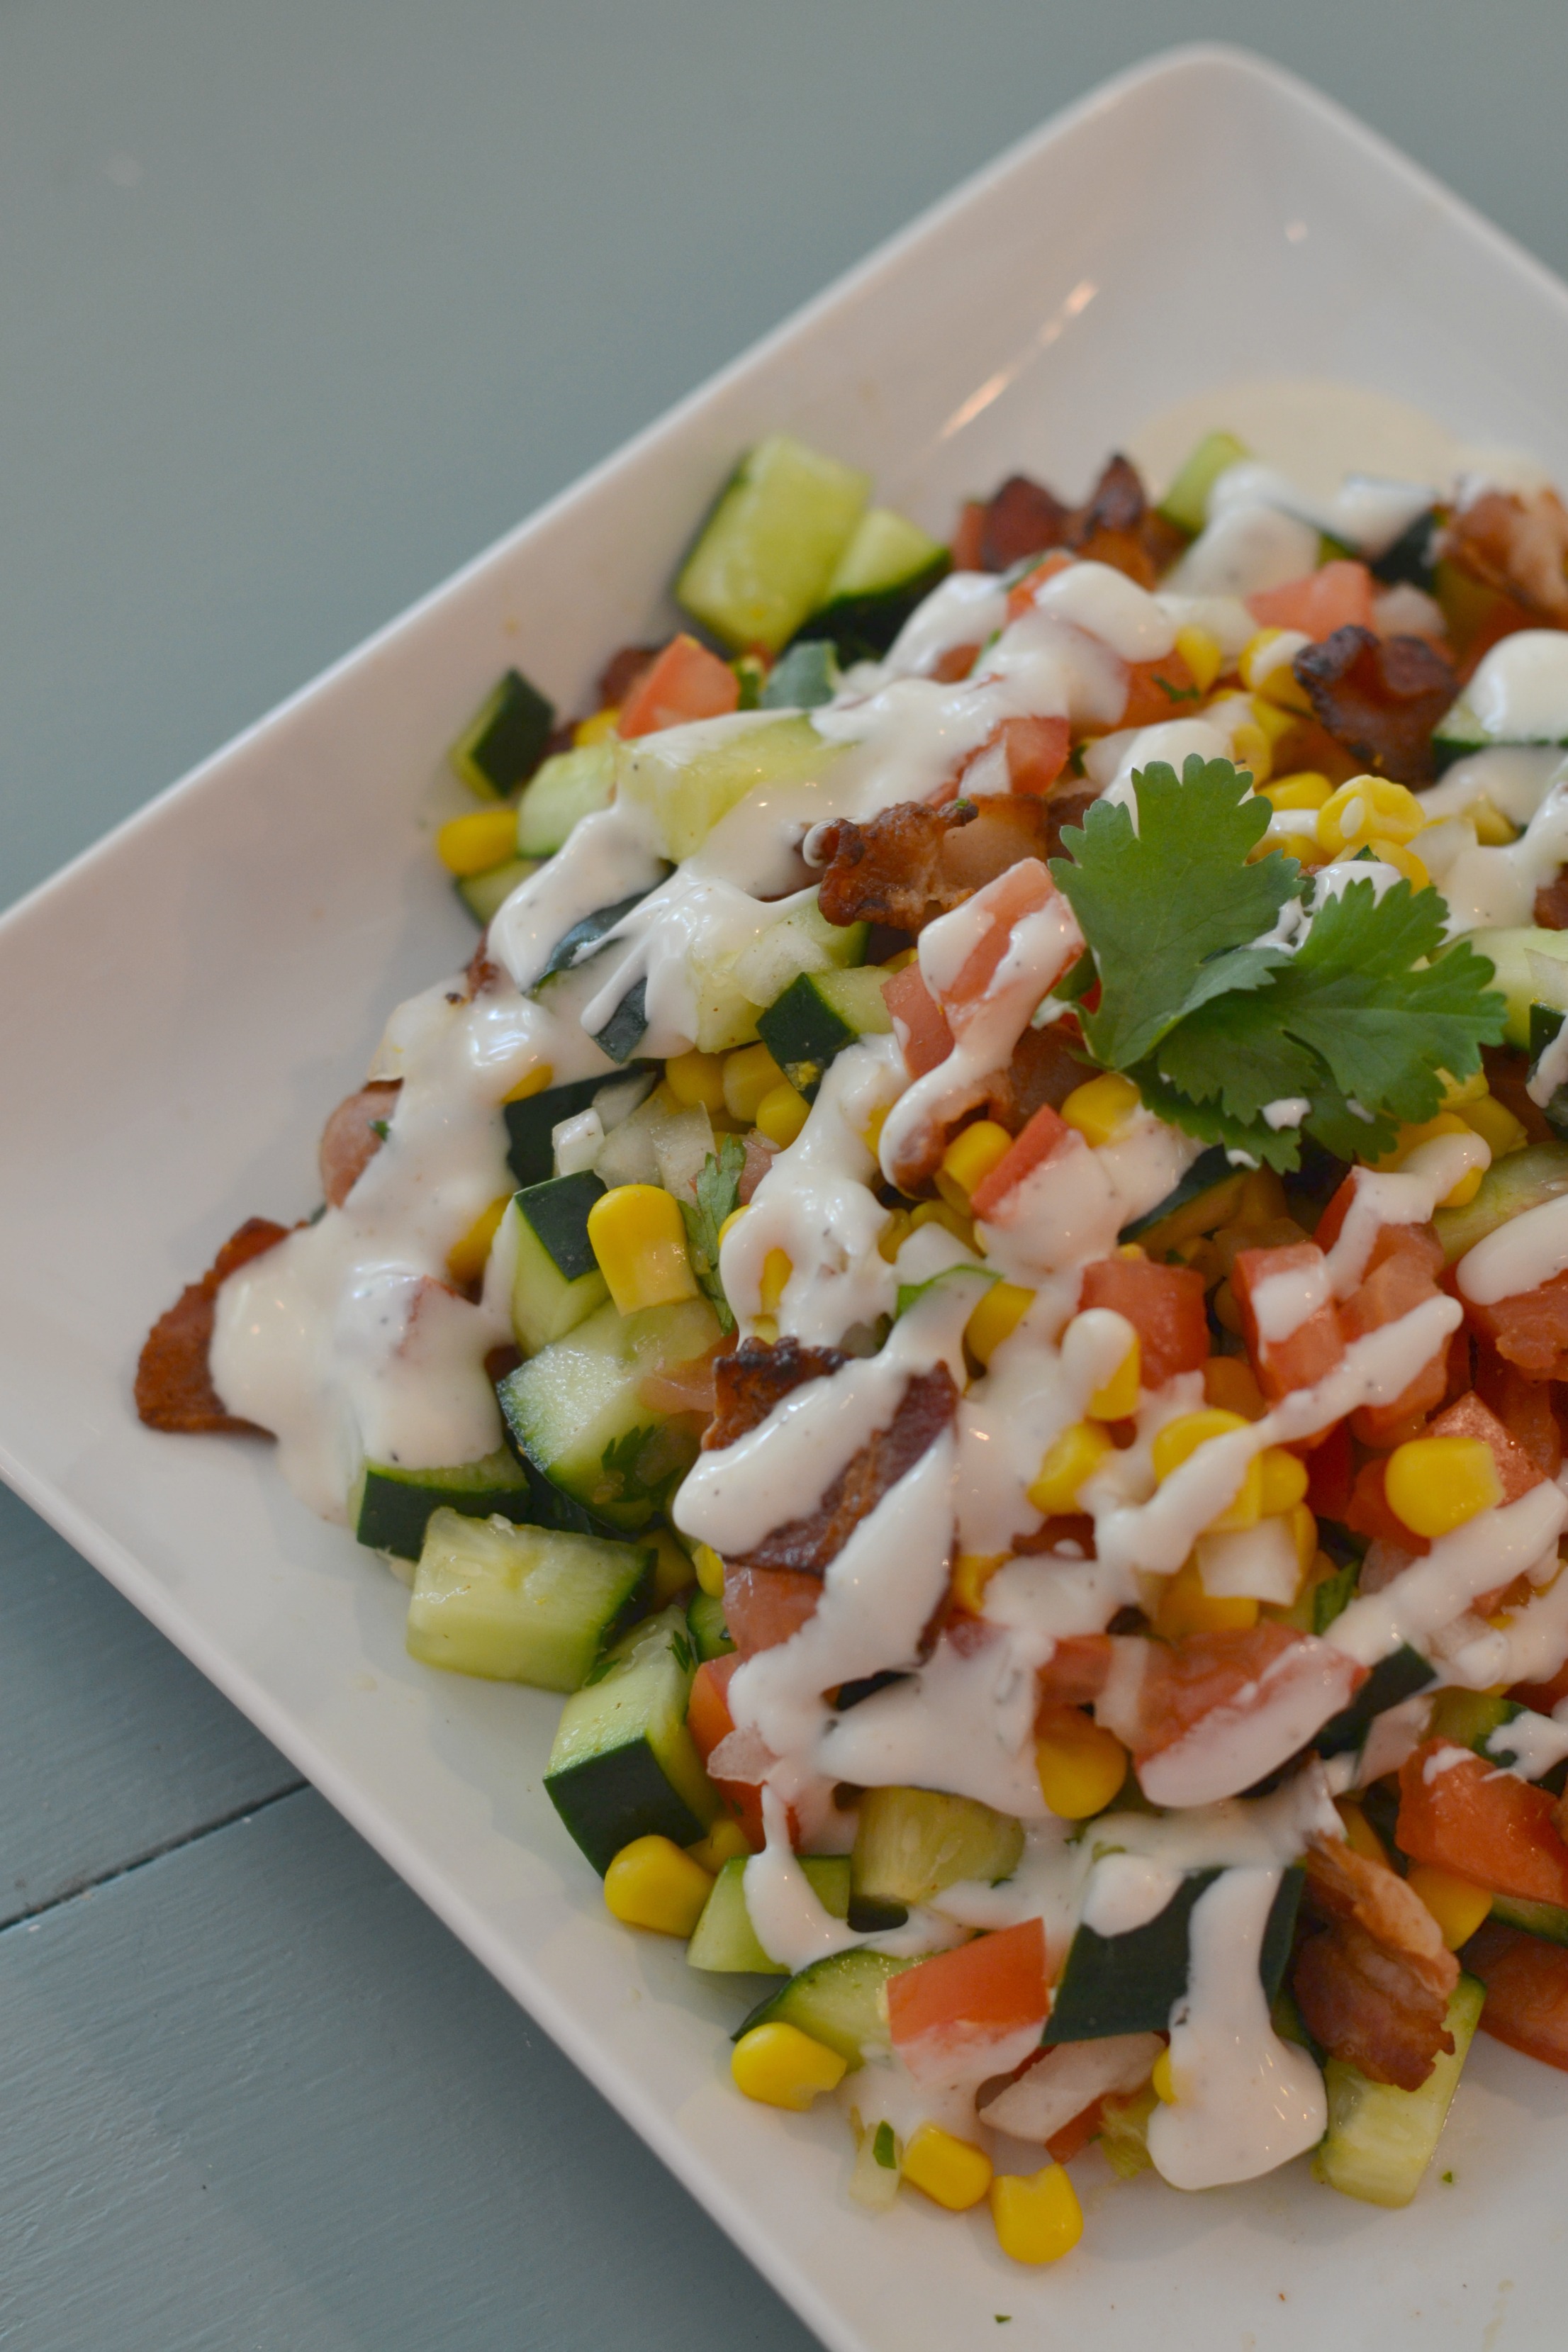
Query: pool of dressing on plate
350,1342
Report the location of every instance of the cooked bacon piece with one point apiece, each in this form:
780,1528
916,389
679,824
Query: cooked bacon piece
810,1543
1529,1331
757,1376
349,1140
1023,518
1508,1076
910,863
622,671
1044,1069
1526,1991
1115,525
1549,910
1519,546
1380,696
1055,1535
1374,1984
764,1606
1263,1677
173,1385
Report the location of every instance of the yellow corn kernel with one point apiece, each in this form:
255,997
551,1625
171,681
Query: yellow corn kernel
1038,2216
1119,1397
636,1234
725,1842
1131,1250
1230,1382
1275,722
730,1221
1402,860
472,844
1457,1092
1365,807
1360,1835
781,1113
1250,749
784,2067
1457,1904
1265,667
539,1077
900,962
709,1571
1101,1107
972,1572
1262,1198
1081,1764
943,1214
1412,1136
595,729
996,1316
750,1074
466,1259
969,1160
1184,1607
950,2172
1163,2080
696,1077
1303,788
1493,830
872,1129
1496,1125
1284,1477
776,1272
672,1566
652,1883
1437,1483
1304,1528
1203,656
1070,1463
894,1234
1181,1438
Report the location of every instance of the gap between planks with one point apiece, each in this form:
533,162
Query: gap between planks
248,1811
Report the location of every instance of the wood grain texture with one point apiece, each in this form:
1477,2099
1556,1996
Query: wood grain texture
257,2100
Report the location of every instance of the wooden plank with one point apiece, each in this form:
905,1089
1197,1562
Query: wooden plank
111,1747
257,2095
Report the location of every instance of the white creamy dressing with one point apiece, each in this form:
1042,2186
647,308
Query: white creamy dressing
1531,1249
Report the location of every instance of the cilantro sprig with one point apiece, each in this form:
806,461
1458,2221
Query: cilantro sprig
1360,1018
718,1191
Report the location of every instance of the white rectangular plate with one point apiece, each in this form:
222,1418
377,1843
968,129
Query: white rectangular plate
183,1005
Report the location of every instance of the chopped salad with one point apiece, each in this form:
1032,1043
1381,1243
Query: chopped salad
976,1268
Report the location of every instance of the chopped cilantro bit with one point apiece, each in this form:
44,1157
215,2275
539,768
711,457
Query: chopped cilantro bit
883,2148
717,1196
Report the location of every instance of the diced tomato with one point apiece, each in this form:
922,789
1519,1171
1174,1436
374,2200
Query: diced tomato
1338,596
1400,1277
1076,1672
954,664
764,1606
969,539
684,682
919,1022
1044,1135
1309,1353
1037,751
1526,1991
1472,1818
1021,595
1159,691
1370,1513
1532,1331
1333,1217
1186,1680
1164,1304
1074,2137
1523,1406
1331,1473
984,1990
1470,1418
1023,890
709,1720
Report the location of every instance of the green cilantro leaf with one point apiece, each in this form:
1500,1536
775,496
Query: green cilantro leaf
1157,904
718,1190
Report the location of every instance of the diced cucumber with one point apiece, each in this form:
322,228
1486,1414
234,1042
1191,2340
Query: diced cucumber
390,1507
578,945
1509,952
531,1123
572,784
485,894
576,1410
556,1283
689,777
911,1843
1519,695
801,940
1211,1188
1545,1024
1523,1180
1186,502
817,1015
802,679
1381,2140
1545,1919
506,741
1393,1680
627,1027
724,1940
1468,1718
624,1765
1130,1983
838,2000
888,566
770,546
705,1622
520,1604
1410,556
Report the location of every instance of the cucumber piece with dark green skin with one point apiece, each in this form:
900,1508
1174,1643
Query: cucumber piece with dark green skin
624,1765
1186,502
766,553
909,1843
521,1605
531,1123
705,1622
1545,1021
576,1410
802,679
577,945
838,2000
1548,1920
818,1015
556,1283
1130,1983
507,738
573,786
484,895
1211,1171
627,1027
1525,1180
724,1940
890,566
1412,556
391,1506
1393,1680
1380,2139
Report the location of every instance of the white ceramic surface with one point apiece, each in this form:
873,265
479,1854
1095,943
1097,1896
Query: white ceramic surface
180,1008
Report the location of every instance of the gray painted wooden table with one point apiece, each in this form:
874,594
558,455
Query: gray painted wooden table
299,304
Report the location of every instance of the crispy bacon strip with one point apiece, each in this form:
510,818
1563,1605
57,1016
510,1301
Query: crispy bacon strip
1519,546
173,1385
1044,1069
1115,525
349,1141
1380,696
1374,1984
910,864
809,1544
760,1374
